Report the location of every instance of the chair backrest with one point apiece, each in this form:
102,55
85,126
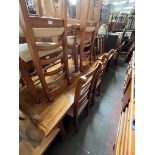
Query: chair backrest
104,59
89,27
120,47
53,81
84,88
132,47
110,54
99,73
130,52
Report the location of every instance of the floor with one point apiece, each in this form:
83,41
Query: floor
98,130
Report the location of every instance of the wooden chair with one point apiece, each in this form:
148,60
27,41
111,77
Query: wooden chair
53,54
99,74
130,52
84,40
79,41
54,8
106,58
100,40
82,95
117,53
109,56
81,46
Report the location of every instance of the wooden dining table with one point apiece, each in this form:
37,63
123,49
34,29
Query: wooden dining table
47,116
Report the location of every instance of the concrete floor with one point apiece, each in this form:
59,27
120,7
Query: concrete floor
98,130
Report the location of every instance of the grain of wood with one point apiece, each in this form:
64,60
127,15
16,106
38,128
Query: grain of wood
124,132
120,134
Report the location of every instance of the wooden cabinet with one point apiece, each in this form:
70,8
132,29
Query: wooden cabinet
125,139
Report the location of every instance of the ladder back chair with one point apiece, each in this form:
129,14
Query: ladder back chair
109,57
49,54
100,40
85,39
89,30
118,52
104,60
78,42
130,52
98,77
82,95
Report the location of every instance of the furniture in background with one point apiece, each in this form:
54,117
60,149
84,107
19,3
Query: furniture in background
125,140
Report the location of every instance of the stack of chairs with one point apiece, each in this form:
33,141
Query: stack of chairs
81,41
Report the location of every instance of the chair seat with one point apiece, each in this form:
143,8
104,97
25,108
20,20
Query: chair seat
25,55
70,112
70,40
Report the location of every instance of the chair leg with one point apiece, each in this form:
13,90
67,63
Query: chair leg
62,131
99,90
75,56
116,61
75,119
87,108
108,64
93,97
29,83
22,82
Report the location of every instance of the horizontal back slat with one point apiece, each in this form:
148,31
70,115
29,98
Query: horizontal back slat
90,24
48,32
46,22
90,29
51,60
83,102
86,53
84,90
91,73
54,71
86,84
59,89
82,97
59,78
49,47
87,45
